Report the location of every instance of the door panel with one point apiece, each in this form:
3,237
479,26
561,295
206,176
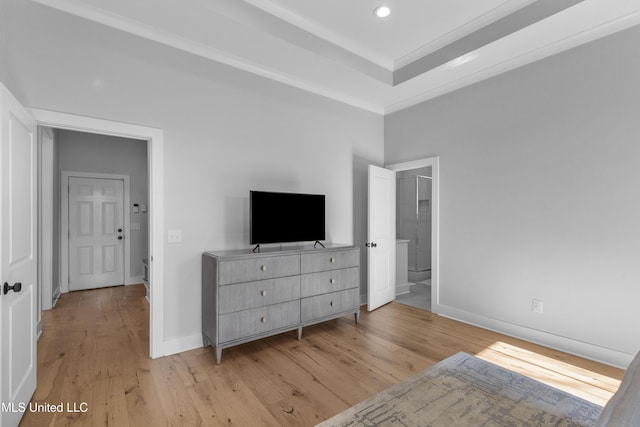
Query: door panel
19,261
382,237
96,249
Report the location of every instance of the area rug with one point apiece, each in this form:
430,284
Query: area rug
463,390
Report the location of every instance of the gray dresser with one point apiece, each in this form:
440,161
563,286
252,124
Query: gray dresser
248,296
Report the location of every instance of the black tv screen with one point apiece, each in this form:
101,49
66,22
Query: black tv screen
286,217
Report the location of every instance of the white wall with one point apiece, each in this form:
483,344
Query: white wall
539,197
85,152
225,132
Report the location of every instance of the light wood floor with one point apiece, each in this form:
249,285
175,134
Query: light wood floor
94,349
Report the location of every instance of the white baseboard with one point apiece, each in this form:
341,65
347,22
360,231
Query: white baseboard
179,345
557,342
403,289
134,280
56,297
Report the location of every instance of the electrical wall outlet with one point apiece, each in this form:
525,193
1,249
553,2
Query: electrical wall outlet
537,306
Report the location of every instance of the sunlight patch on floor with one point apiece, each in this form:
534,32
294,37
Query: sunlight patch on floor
589,380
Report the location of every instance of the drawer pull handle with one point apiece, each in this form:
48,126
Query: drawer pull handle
263,319
332,260
263,268
331,303
332,281
263,293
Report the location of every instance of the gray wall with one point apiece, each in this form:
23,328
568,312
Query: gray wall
225,132
539,194
3,43
85,152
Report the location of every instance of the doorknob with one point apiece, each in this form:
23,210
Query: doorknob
120,237
119,230
17,287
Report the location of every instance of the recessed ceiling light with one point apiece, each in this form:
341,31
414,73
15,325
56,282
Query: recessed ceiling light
382,11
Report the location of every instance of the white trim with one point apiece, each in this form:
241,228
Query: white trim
496,68
64,225
187,343
56,297
385,100
323,32
434,163
567,345
45,208
403,288
461,31
155,147
205,51
134,280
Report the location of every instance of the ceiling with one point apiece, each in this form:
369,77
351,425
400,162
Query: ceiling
341,50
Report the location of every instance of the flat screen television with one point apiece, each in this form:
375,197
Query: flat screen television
286,217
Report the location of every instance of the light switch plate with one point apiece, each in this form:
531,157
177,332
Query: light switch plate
174,236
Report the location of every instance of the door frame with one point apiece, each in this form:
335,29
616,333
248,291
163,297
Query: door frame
434,162
64,223
45,221
155,160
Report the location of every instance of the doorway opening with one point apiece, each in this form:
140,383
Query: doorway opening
417,244
413,237
152,140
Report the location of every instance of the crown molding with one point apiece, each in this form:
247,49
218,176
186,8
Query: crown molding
140,29
323,32
379,98
463,30
585,36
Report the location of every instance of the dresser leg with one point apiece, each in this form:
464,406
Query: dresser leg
299,333
357,316
218,355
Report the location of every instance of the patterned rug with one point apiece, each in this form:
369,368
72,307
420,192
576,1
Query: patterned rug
466,391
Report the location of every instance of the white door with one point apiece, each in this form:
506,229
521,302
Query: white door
96,233
18,270
381,246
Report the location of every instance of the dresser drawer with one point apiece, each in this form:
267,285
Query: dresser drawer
329,304
329,281
248,270
332,260
242,296
246,323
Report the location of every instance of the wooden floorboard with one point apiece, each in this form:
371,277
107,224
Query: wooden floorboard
95,344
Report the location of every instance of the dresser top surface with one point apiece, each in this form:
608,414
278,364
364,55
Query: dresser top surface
277,250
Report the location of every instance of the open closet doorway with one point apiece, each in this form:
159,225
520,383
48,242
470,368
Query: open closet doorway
416,233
